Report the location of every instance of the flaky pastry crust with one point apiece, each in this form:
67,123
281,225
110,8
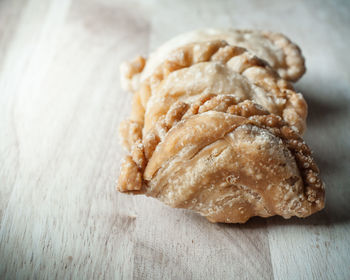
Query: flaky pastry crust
283,56
218,68
226,160
216,130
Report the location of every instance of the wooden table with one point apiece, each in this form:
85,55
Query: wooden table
60,105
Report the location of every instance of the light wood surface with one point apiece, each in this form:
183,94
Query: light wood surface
60,105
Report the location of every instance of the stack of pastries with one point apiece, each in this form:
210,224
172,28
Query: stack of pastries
216,127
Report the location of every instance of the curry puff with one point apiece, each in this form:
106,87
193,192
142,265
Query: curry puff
216,127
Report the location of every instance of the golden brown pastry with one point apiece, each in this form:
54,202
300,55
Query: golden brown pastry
275,48
227,161
215,129
212,67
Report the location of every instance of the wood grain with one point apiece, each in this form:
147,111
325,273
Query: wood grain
60,105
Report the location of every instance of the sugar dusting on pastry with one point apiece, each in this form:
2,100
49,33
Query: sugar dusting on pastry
215,129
